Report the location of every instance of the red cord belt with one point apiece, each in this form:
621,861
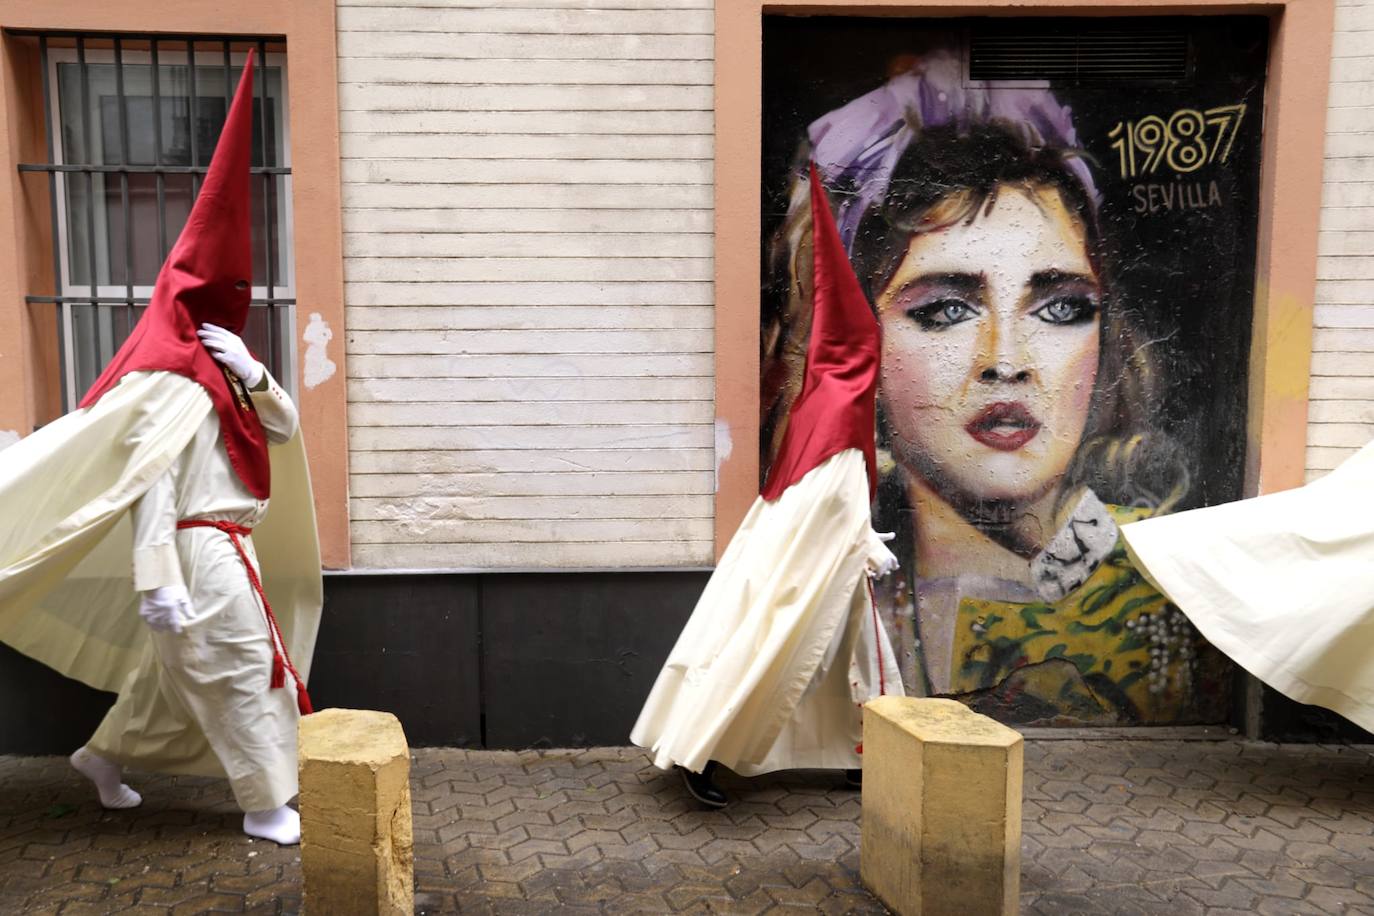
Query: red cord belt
281,662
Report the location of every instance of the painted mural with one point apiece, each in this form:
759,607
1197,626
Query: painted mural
1063,273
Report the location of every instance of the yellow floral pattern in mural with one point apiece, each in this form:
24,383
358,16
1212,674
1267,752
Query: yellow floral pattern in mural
1125,646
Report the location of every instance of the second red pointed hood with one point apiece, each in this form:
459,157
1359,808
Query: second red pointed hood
207,277
837,406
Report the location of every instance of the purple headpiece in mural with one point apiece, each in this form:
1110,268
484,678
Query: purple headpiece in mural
857,146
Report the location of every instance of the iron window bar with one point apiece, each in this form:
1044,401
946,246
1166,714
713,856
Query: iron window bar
145,169
135,300
63,177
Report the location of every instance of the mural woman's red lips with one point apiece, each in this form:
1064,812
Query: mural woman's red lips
1003,426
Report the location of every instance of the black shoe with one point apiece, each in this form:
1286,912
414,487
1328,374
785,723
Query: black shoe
700,786
854,778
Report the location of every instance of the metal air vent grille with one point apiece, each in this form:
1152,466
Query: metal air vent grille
1077,54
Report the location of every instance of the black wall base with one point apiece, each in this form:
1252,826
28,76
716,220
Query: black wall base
1282,719
501,660
489,660
42,712
495,660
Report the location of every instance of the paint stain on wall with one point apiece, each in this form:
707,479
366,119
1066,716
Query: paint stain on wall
7,438
319,368
724,446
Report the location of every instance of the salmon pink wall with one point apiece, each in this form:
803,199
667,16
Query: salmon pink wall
27,357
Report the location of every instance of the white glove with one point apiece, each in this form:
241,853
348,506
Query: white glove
229,349
881,561
167,607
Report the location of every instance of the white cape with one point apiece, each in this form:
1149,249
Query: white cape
66,582
1282,583
753,681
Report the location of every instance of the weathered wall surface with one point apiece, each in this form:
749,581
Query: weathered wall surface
1341,411
528,249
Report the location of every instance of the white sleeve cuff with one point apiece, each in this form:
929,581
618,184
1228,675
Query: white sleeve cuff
157,566
275,409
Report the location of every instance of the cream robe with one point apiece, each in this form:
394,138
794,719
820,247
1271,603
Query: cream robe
1283,584
784,645
202,697
67,594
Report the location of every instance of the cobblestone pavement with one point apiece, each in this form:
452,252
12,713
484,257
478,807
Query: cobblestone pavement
1110,827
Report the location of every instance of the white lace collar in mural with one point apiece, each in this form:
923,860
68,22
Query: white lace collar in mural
1076,550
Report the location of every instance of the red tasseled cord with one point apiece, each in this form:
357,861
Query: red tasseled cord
280,663
303,700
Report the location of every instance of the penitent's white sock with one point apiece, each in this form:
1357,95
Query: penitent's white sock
107,776
280,825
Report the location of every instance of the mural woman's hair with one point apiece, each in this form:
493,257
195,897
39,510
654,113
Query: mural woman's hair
928,150
859,146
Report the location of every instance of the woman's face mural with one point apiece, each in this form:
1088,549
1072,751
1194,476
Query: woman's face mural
990,350
1058,359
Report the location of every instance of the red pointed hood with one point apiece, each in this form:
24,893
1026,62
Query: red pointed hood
207,278
837,405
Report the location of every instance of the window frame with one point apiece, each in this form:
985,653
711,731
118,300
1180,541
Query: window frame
279,294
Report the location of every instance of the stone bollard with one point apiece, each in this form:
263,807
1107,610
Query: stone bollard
357,853
941,809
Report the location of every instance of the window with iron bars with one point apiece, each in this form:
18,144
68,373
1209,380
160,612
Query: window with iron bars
131,122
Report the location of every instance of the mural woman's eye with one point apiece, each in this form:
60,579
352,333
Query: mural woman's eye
941,314
1067,310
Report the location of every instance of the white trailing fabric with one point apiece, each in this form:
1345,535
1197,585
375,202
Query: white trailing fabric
1280,583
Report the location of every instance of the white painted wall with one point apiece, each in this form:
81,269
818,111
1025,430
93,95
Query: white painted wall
1341,411
527,216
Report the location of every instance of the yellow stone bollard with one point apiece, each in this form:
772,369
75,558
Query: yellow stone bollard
941,809
357,851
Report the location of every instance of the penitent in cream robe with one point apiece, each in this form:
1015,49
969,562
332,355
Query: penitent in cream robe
784,646
67,590
201,697
1283,584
